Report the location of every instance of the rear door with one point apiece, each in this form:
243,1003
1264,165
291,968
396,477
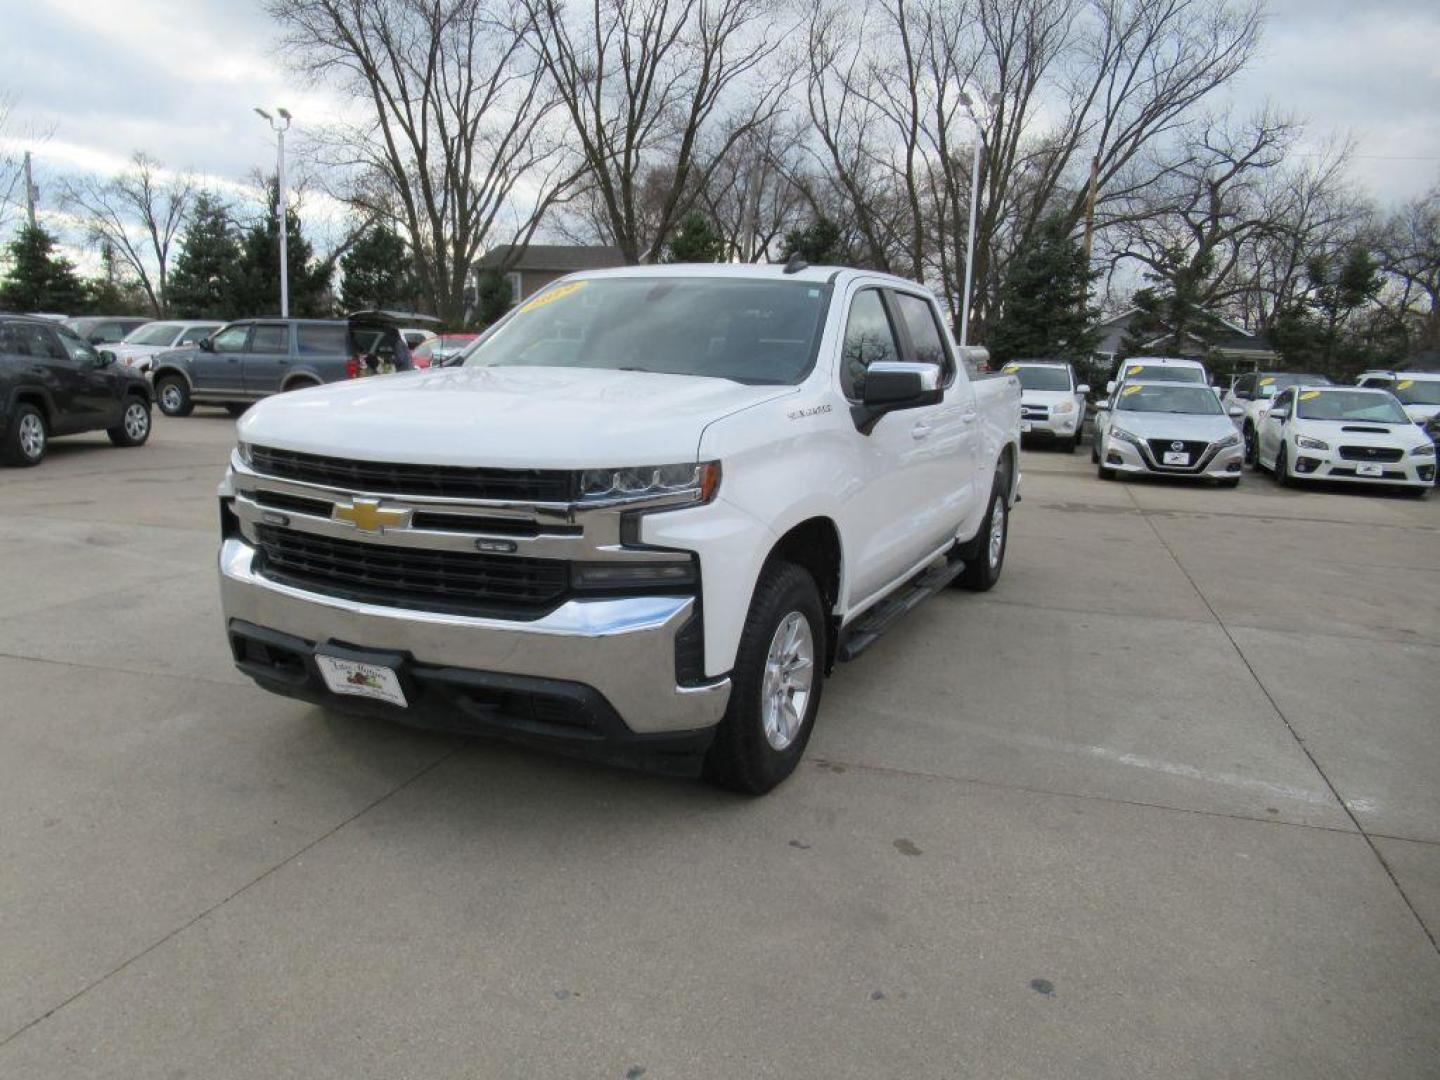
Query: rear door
267,361
220,369
96,397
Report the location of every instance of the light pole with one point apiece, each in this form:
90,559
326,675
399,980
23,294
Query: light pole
978,149
280,125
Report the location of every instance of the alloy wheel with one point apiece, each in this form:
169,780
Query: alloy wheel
32,436
789,680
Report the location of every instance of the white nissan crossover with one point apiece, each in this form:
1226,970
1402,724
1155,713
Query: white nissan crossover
1168,429
1350,434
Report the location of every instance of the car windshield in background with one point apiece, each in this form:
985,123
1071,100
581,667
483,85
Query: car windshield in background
1040,378
758,332
155,333
1350,405
1417,391
1270,385
1146,397
1164,373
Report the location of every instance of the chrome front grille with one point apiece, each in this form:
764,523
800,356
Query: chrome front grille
428,481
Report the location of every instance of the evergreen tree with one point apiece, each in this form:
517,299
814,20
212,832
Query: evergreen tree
492,298
112,292
202,285
377,272
1045,300
1328,330
695,241
818,243
39,279
257,279
1170,317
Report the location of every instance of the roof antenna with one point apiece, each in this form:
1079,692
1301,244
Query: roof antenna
796,264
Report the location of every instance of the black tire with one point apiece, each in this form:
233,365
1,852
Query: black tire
1416,492
173,394
1282,469
1094,448
27,437
237,408
134,426
1104,473
1074,444
1252,444
981,571
742,757
298,384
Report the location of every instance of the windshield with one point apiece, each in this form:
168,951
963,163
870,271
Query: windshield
1418,391
1151,398
743,330
1040,378
1164,373
1350,405
1270,385
155,333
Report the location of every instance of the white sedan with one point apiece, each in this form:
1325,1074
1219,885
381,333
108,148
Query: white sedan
138,348
1348,434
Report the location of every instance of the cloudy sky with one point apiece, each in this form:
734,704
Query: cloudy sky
179,78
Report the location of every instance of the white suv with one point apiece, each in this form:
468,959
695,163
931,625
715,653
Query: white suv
1052,400
1418,391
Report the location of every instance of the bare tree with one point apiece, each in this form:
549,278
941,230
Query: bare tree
12,163
458,150
137,216
1408,247
657,92
751,197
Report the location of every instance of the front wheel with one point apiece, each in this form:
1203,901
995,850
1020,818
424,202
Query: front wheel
775,686
1282,468
134,426
1250,447
237,408
174,396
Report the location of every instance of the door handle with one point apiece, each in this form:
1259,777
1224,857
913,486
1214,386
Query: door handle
921,430
969,417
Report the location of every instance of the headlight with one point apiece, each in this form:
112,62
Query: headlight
1423,450
1121,433
685,483
1305,442
1064,407
1229,440
242,451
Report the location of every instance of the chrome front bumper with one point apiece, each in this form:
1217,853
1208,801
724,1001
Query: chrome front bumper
623,648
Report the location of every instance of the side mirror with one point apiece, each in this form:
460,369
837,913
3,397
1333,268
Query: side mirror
1110,387
891,385
208,344
1083,388
1102,406
1279,414
1236,412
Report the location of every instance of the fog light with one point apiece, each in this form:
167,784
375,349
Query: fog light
1112,458
1426,473
623,575
1234,466
1306,464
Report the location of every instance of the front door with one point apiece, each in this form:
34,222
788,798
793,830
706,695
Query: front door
267,361
221,368
96,398
1272,427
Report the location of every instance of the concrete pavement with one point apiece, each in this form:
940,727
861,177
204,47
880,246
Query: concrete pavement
1163,803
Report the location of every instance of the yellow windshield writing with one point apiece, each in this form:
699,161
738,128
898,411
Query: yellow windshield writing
1131,390
1309,395
549,296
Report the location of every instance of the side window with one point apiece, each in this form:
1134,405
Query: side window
1245,386
10,343
80,350
322,339
193,334
270,338
41,342
925,333
1376,380
1282,401
868,338
232,338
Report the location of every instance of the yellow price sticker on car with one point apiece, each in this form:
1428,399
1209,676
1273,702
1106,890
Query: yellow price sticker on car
1405,384
1267,380
549,296
1131,390
1309,395
1135,369
1010,369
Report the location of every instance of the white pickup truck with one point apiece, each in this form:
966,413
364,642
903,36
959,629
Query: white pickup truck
642,519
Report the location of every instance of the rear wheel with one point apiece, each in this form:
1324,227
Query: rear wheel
775,686
174,396
1074,442
27,437
985,555
134,426
237,408
1250,447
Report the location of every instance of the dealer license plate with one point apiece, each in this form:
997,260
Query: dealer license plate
361,680
1176,457
1368,469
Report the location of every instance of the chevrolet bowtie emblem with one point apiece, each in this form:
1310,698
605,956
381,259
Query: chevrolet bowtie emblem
367,516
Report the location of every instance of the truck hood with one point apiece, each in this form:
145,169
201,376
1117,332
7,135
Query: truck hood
1198,427
505,417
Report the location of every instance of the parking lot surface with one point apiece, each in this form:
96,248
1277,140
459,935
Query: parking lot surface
1164,803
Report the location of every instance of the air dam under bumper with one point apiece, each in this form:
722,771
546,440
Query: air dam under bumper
616,654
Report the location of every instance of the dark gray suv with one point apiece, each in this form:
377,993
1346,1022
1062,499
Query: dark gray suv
245,361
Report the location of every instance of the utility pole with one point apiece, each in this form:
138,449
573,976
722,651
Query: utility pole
30,191
280,126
